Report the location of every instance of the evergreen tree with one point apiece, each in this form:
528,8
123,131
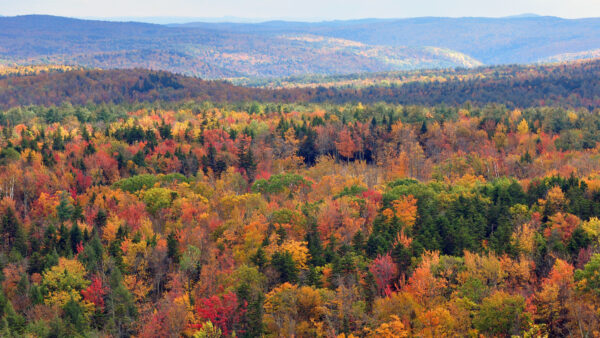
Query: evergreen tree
173,247
75,317
315,247
76,237
308,148
120,307
64,241
285,265
13,232
246,159
65,209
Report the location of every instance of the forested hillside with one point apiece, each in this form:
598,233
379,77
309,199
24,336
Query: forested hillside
566,85
204,52
280,49
490,40
143,203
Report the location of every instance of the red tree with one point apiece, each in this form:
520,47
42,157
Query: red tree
384,270
224,312
95,293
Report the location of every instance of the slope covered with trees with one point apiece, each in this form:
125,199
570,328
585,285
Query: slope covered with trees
204,219
205,52
507,40
279,49
566,85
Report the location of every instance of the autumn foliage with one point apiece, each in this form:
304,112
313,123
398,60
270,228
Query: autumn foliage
198,219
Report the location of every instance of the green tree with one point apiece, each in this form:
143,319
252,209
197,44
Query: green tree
589,276
283,263
12,230
157,199
76,237
92,255
75,317
121,309
501,314
65,209
173,247
246,158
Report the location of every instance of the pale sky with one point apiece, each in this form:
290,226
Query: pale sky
301,9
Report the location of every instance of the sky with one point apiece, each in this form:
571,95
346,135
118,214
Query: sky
307,10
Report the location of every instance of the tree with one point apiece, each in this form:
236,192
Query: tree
501,314
92,255
12,231
281,310
345,144
250,285
405,209
384,270
423,284
208,330
95,293
64,209
552,300
308,149
393,329
523,127
76,238
11,323
120,308
246,157
224,312
283,262
157,199
75,317
173,247
588,278
563,225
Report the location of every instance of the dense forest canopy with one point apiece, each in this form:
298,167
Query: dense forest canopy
574,85
144,203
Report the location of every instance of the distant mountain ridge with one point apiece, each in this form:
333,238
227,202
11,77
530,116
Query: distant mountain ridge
281,49
208,52
509,40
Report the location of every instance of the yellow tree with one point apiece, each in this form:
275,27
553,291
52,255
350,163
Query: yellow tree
523,127
393,329
405,209
64,282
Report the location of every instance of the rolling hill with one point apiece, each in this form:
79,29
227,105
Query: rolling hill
281,49
569,85
208,52
521,39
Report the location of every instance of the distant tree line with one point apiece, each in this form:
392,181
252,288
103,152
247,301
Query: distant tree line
566,85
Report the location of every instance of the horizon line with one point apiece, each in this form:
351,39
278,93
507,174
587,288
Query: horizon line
168,19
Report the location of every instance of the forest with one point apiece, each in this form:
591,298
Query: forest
567,85
251,212
217,50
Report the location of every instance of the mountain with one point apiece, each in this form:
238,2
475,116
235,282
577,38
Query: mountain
490,40
280,48
524,15
170,20
569,85
588,54
208,52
